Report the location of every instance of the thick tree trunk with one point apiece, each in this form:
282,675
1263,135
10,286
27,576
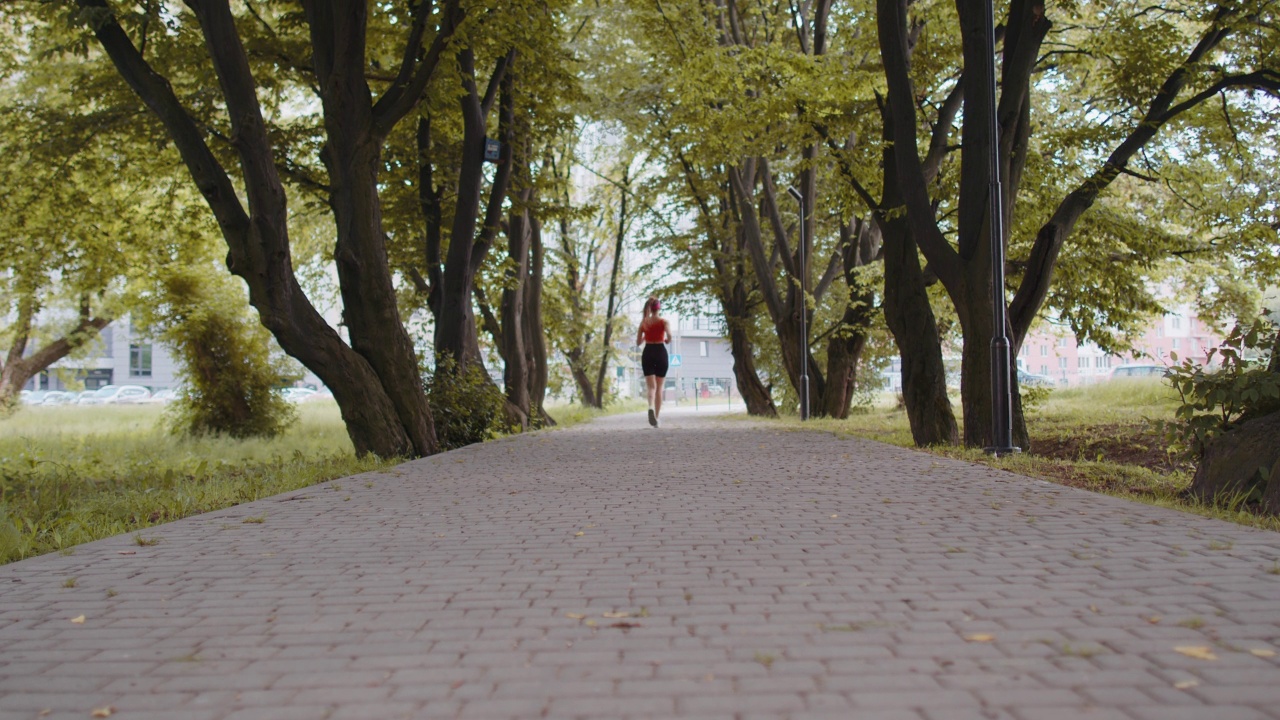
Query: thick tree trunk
1240,462
859,244
915,331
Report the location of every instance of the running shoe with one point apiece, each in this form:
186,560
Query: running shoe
653,419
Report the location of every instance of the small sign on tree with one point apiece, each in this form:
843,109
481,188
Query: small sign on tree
492,150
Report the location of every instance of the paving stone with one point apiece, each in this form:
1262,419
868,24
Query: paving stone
452,587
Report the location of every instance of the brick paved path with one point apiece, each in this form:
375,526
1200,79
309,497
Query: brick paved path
710,569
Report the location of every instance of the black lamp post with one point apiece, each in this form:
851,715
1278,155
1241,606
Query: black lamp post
804,312
1001,390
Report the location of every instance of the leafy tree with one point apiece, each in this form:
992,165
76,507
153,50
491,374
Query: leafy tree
209,72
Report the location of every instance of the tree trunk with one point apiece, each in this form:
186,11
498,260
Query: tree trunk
515,375
577,369
535,341
18,367
859,242
620,236
1240,462
915,331
455,333
786,310
737,312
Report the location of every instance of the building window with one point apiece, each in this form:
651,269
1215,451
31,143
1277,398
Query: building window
1177,323
1176,344
1044,369
702,348
1062,342
1160,331
1062,363
1044,350
140,360
1082,362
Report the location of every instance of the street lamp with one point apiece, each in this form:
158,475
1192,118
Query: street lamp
1001,391
804,311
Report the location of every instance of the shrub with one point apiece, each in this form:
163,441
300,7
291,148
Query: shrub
466,406
1216,400
229,378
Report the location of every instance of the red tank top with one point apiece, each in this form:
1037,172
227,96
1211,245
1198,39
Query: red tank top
655,331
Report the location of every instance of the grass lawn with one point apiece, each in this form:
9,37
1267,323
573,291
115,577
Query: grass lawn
1098,437
69,475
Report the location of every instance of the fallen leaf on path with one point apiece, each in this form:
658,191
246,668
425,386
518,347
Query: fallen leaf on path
616,614
590,623
1186,684
126,552
1200,652
1154,619
1094,609
1262,653
78,620
835,516
575,616
102,711
625,625
980,637
579,534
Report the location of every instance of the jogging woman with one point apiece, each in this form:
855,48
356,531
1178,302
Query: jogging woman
654,331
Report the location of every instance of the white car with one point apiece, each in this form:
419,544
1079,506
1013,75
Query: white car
1132,372
297,394
58,397
117,395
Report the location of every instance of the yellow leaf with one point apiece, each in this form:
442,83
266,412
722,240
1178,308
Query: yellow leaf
835,516
1154,619
579,534
78,620
1094,609
575,616
1186,684
980,637
1199,652
618,614
102,711
1262,653
590,623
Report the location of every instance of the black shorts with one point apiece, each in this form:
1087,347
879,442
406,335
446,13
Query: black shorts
654,360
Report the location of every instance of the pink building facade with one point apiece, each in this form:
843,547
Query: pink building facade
1054,352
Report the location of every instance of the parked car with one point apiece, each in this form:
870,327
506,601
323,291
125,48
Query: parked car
297,394
162,396
1026,379
59,397
117,395
1129,372
31,397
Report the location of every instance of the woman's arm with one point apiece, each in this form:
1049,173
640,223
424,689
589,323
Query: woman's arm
666,327
640,335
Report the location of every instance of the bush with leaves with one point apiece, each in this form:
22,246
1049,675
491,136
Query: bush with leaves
467,406
1214,400
228,375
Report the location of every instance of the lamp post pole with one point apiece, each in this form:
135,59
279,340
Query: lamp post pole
1001,390
804,312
